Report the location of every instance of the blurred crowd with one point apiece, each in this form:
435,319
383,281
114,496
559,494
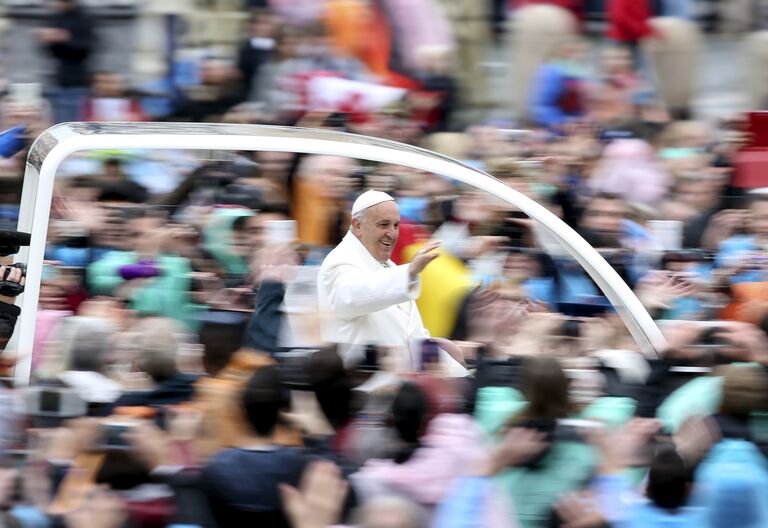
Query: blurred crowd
179,377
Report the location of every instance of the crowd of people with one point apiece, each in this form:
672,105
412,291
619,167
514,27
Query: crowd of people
278,339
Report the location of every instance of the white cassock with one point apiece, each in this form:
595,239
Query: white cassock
366,302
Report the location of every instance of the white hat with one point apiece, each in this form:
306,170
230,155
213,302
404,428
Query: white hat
369,199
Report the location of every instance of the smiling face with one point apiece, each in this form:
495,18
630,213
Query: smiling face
378,229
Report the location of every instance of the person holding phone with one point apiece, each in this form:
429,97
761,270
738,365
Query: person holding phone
365,297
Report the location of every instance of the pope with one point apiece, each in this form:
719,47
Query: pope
365,298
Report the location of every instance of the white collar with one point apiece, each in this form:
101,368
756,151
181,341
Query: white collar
358,246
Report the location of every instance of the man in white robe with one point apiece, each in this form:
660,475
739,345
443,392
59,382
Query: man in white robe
365,298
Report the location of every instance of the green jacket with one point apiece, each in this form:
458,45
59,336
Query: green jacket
567,465
217,238
166,295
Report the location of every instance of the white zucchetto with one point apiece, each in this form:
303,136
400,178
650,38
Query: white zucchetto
369,199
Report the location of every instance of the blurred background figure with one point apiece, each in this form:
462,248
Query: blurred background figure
558,94
70,40
183,369
108,100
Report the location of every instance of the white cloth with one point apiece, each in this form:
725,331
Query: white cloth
363,301
92,387
369,199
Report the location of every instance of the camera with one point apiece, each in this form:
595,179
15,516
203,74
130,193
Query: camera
113,434
10,288
11,241
430,353
46,406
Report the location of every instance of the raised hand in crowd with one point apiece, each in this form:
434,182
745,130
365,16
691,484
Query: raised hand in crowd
659,289
318,501
152,445
101,509
580,510
743,342
623,447
694,438
680,339
14,274
274,264
721,226
519,445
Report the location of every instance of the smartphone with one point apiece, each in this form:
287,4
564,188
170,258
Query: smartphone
114,435
430,353
668,233
370,362
29,94
280,232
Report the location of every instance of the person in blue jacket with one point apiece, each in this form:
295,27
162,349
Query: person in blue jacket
558,90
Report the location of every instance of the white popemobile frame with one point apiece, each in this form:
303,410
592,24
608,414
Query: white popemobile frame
58,142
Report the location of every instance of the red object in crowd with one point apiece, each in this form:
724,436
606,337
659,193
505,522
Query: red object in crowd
574,6
75,297
410,233
750,164
628,20
428,117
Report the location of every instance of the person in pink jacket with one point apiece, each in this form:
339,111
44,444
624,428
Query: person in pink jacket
629,168
426,468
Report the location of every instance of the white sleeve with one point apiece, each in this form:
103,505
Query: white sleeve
353,292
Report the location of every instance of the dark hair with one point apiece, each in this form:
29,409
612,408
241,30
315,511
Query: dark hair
221,339
263,399
409,412
684,256
600,240
83,182
239,223
243,195
668,480
122,191
122,470
545,386
275,208
332,386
